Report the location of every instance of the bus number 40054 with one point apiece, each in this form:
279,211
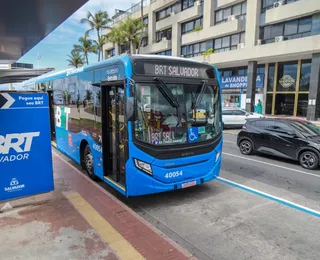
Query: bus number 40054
173,174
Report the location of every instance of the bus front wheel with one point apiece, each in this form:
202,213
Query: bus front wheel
89,163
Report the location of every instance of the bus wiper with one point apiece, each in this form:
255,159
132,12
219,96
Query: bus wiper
199,95
165,91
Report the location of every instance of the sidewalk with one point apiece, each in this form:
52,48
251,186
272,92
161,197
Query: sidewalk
79,220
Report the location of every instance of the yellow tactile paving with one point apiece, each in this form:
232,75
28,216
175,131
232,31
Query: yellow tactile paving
119,244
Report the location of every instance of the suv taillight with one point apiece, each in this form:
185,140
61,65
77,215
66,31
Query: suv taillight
244,127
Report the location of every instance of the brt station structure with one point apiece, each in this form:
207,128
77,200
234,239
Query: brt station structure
20,134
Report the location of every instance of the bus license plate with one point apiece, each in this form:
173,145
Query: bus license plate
189,184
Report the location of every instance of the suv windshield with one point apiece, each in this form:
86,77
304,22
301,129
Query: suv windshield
306,128
158,122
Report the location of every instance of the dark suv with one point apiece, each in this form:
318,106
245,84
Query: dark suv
288,138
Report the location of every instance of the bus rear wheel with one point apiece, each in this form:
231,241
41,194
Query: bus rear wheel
89,163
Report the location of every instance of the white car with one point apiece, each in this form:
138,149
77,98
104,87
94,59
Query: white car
235,117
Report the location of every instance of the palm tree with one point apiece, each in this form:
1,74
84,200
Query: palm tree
99,45
131,31
85,47
97,22
75,59
116,36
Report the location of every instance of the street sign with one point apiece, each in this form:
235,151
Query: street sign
25,145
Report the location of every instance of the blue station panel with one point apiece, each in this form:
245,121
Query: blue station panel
25,145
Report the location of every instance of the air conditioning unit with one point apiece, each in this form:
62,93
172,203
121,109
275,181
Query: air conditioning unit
279,39
240,45
259,42
231,17
197,3
164,39
278,3
172,14
109,56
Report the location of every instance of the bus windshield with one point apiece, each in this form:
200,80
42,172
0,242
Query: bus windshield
160,122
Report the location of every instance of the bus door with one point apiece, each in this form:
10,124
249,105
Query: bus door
51,111
114,133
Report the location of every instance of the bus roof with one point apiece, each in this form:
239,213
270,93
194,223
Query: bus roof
124,58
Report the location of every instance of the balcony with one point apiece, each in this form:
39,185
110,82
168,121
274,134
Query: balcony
162,45
267,53
108,46
216,31
158,5
188,14
291,11
226,3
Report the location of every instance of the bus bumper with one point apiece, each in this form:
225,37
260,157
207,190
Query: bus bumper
143,184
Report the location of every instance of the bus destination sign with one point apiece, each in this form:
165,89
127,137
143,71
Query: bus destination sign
170,70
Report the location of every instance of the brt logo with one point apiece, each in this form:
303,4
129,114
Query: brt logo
62,117
20,143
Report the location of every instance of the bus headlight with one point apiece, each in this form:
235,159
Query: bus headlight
218,155
143,166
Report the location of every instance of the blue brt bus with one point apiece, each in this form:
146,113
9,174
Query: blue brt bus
141,123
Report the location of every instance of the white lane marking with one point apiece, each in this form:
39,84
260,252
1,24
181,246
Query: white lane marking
274,165
271,197
229,142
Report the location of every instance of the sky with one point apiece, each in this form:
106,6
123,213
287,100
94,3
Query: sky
53,49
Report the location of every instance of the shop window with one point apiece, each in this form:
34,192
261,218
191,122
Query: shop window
305,75
270,83
287,76
269,104
261,69
302,105
284,104
238,10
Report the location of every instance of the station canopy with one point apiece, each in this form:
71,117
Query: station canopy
23,24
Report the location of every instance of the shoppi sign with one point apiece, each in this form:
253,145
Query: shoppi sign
240,81
25,145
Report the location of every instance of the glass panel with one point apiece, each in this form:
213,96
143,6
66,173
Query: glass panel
269,104
236,9
239,112
244,8
243,37
281,127
305,76
267,32
226,13
277,30
196,48
203,46
305,25
226,41
302,105
291,28
287,76
284,104
235,39
263,124
219,15
218,43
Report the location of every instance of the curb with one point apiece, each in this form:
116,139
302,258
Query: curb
136,215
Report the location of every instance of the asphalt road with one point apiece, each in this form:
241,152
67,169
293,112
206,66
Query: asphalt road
220,221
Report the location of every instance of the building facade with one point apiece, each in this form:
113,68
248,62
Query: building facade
264,49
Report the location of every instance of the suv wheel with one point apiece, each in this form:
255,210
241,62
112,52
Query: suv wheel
246,147
309,160
88,163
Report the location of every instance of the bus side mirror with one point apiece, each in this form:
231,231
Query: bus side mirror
130,109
